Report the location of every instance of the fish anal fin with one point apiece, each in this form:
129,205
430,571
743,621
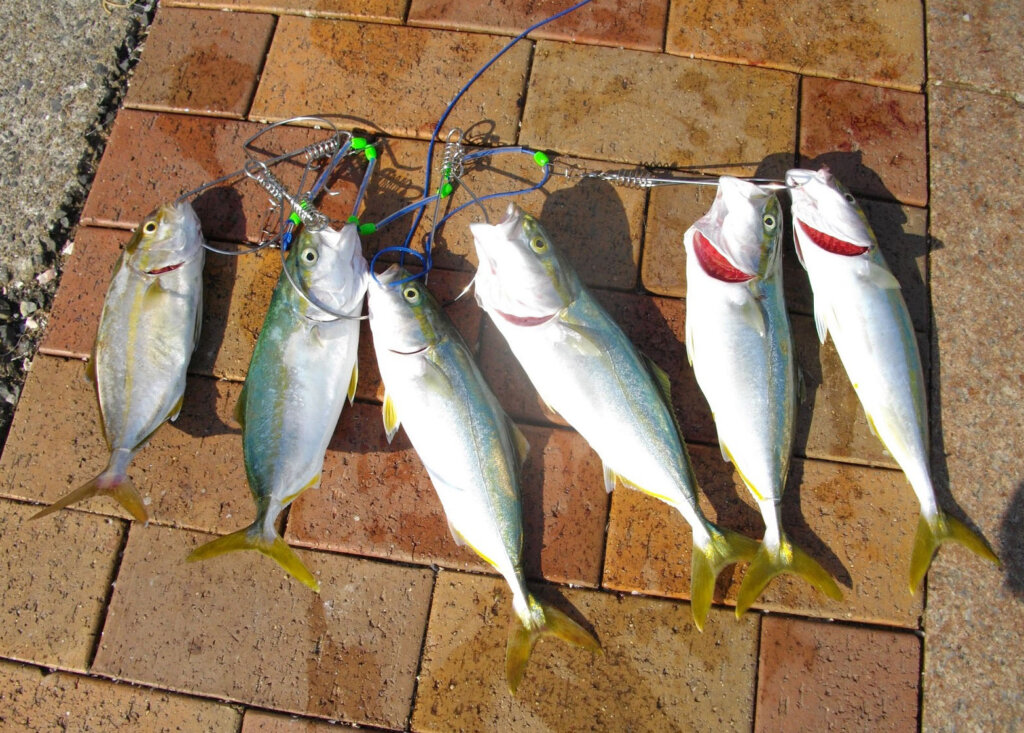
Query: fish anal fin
522,638
308,485
176,409
786,557
934,531
391,421
726,548
273,547
352,383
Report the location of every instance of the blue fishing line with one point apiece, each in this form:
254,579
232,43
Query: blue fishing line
465,88
498,195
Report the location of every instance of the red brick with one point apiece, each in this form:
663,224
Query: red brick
238,628
657,671
872,139
817,676
201,62
636,24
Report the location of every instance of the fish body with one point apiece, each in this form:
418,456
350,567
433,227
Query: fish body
302,370
739,343
586,369
859,303
148,330
468,445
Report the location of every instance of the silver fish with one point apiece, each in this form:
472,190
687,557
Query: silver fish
586,369
302,370
148,330
739,344
858,301
471,449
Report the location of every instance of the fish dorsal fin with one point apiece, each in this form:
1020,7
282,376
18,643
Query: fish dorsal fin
352,382
878,275
660,378
391,421
240,407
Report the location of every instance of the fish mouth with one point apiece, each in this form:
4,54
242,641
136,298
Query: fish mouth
164,270
525,321
831,244
409,353
714,262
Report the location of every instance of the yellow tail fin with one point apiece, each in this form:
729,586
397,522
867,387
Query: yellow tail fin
119,488
522,639
786,558
251,538
726,547
932,532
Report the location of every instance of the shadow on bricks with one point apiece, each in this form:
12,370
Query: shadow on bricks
1011,549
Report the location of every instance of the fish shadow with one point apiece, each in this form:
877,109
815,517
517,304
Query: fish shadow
1010,532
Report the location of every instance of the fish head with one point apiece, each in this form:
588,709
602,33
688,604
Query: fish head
329,265
738,239
521,275
404,316
826,216
165,240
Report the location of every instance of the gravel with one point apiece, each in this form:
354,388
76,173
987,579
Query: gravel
64,67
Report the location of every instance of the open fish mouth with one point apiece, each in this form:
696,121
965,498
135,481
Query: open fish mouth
410,353
714,262
831,244
165,270
525,321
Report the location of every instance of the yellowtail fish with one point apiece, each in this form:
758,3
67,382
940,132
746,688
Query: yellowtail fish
858,301
302,369
148,330
470,448
739,344
587,370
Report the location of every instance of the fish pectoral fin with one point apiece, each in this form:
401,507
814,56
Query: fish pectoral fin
352,382
251,538
609,479
391,421
751,314
581,338
176,409
820,319
934,531
435,379
689,340
660,378
119,487
522,445
547,621
785,558
726,548
878,276
457,536
726,455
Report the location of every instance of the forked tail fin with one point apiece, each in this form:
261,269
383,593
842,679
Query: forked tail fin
784,558
252,538
118,486
726,547
932,532
548,621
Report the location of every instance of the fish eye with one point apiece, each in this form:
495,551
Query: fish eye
538,244
769,221
309,256
411,294
149,227
849,197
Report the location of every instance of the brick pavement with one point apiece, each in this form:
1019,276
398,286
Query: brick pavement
409,630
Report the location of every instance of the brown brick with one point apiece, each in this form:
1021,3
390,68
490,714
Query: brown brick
238,628
258,721
58,571
585,101
153,158
657,672
636,24
858,523
384,11
818,676
872,139
879,42
377,500
191,472
201,62
336,67
33,700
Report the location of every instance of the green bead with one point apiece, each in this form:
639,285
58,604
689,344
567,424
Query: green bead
295,219
446,190
353,219
371,153
368,228
358,143
541,158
